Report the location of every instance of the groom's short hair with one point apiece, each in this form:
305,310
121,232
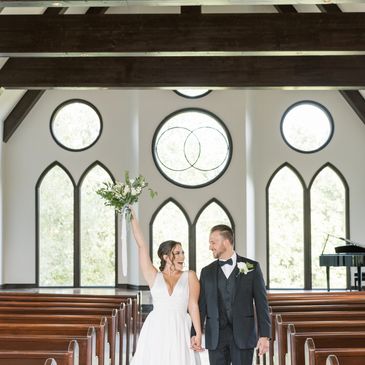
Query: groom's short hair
225,231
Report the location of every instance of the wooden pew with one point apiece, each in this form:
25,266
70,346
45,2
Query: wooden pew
304,308
60,329
321,339
318,356
125,302
67,357
91,320
50,361
312,294
87,344
281,338
121,325
332,360
117,299
314,326
73,304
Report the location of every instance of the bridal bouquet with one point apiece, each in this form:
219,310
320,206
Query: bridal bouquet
121,194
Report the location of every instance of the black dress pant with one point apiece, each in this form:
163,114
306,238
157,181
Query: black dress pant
227,352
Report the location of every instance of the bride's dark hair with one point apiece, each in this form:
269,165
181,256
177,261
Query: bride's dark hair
166,248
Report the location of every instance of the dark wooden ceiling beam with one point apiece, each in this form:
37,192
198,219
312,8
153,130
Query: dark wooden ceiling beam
331,72
356,101
353,97
110,3
20,111
183,34
285,9
31,97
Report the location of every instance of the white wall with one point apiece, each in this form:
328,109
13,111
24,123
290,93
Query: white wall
130,119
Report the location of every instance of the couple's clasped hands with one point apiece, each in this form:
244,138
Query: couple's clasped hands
196,342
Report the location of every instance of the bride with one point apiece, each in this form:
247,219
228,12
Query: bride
165,336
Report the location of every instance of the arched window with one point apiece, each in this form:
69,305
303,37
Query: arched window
286,229
170,222
211,214
97,231
328,197
55,227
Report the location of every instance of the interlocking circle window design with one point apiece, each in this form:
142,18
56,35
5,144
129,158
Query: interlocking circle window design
307,126
192,148
76,125
192,93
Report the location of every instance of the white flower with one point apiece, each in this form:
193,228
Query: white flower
244,267
134,191
127,189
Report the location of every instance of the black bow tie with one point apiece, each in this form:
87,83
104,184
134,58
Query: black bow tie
228,262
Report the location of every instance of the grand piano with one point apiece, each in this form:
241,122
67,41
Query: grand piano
350,255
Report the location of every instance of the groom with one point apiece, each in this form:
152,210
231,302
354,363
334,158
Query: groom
232,297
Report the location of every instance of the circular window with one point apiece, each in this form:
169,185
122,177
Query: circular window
307,126
76,125
192,93
192,148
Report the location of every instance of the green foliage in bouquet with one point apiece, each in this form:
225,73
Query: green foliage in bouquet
121,194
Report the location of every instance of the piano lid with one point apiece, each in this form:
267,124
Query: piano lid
349,249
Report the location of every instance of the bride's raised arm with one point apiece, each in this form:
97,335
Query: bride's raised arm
148,270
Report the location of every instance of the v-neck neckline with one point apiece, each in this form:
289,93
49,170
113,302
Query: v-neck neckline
167,286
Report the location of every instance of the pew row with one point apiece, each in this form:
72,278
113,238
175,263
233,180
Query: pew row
304,308
296,342
86,344
332,360
284,319
318,356
68,357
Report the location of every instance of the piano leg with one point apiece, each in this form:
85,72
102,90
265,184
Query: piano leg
328,277
359,277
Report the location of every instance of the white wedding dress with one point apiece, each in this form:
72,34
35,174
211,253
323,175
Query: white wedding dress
165,335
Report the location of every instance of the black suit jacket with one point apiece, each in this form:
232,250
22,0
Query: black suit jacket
250,301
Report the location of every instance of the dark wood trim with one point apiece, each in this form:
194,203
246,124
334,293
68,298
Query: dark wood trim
183,34
356,101
110,3
191,9
353,97
328,72
329,8
18,286
20,111
286,9
55,11
97,10
30,98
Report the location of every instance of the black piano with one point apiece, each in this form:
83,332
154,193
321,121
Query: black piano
350,255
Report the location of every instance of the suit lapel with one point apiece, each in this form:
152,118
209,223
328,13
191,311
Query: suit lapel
214,278
238,276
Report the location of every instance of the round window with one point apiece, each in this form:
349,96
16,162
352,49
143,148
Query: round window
192,148
307,126
192,93
76,125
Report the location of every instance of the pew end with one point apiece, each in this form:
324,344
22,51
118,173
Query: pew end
332,360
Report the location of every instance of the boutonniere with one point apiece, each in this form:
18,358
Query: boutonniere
245,267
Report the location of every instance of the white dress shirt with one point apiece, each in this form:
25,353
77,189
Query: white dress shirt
227,269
